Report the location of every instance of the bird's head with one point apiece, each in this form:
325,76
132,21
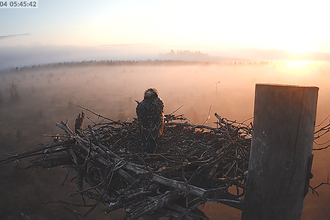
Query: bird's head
151,93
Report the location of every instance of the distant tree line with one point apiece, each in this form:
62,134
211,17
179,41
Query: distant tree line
187,52
127,62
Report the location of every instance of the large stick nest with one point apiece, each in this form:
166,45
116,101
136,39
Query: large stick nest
193,164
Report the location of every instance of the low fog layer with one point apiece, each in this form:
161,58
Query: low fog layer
31,101
20,56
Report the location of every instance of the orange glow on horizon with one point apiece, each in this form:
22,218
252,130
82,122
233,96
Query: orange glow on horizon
298,64
299,68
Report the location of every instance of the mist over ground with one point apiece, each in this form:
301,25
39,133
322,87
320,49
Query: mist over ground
20,56
33,100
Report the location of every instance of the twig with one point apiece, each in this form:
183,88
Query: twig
208,115
176,110
98,115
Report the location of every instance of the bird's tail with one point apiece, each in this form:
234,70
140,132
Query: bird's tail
151,144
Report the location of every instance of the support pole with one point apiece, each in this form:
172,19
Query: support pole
282,143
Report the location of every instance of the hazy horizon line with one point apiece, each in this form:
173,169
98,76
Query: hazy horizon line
12,56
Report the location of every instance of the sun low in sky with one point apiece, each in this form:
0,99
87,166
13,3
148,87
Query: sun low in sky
153,27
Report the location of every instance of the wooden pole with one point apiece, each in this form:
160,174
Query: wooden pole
282,142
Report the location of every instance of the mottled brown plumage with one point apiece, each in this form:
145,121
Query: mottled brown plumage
150,113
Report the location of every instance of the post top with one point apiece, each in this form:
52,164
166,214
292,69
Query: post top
286,85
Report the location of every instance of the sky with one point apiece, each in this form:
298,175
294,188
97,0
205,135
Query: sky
113,29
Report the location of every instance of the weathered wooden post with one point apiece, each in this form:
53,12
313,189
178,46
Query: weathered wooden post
281,152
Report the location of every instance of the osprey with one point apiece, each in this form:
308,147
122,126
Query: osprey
150,114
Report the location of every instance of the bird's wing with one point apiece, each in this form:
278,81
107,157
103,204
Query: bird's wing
159,118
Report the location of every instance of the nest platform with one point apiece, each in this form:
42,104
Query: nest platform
193,165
